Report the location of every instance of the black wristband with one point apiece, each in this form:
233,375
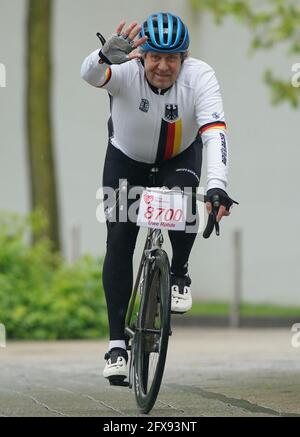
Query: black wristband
104,58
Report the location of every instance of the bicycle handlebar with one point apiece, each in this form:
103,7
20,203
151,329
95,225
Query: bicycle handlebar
212,217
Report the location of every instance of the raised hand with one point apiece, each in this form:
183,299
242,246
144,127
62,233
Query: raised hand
130,33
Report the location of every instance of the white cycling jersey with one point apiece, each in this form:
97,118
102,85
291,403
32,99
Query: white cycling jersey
152,125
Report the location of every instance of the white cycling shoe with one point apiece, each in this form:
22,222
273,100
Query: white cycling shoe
116,368
181,294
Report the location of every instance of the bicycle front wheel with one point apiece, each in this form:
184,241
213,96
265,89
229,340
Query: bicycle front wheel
153,330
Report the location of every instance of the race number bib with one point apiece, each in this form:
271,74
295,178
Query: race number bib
162,210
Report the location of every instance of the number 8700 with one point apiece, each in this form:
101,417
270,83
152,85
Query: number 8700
164,214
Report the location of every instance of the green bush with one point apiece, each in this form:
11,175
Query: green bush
41,297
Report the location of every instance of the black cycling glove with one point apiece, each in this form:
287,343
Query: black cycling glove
218,197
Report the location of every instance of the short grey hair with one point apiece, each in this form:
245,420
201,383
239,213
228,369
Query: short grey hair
184,55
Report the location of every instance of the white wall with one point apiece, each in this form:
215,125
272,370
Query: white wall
264,144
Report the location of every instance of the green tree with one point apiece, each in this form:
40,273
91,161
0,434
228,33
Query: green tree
38,113
271,22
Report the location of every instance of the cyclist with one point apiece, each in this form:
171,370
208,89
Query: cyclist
164,106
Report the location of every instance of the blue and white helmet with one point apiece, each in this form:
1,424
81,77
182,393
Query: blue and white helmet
166,34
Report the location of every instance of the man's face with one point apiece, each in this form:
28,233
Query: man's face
162,69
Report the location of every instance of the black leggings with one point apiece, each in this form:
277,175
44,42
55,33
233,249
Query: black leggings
182,171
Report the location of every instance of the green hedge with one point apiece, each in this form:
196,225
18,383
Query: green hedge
41,297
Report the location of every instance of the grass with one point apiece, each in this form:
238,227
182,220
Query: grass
247,309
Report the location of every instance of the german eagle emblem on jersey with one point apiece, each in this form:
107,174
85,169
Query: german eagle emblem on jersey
171,112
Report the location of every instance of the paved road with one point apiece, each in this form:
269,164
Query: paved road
208,373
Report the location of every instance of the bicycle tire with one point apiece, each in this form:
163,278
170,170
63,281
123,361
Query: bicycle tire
154,313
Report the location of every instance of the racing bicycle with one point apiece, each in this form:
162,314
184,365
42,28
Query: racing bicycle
148,317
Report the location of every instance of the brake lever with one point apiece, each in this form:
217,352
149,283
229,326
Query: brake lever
216,205
217,226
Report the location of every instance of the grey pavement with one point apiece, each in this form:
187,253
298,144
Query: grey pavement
209,372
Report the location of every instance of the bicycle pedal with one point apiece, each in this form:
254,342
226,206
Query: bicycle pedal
118,381
177,312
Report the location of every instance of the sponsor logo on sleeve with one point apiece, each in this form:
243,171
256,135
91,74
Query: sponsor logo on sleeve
215,115
223,148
